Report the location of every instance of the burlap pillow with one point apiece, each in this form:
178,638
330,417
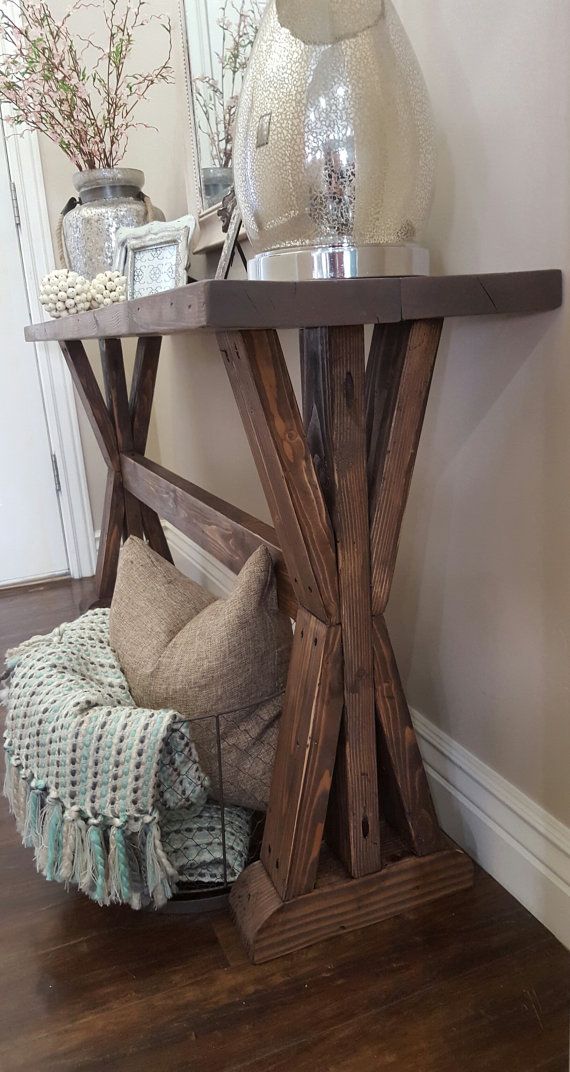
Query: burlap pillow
181,648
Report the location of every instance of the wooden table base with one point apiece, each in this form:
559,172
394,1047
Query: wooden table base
271,927
347,759
351,835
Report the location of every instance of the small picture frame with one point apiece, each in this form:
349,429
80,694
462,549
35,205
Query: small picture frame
155,257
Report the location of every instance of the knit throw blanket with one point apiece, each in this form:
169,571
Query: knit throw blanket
89,776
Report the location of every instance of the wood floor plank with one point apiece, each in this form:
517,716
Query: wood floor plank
223,1021
458,1018
471,982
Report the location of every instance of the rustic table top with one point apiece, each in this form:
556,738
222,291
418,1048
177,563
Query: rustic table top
219,305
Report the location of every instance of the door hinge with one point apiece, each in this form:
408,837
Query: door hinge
56,478
15,205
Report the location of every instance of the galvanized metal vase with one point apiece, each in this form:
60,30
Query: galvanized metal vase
109,198
334,148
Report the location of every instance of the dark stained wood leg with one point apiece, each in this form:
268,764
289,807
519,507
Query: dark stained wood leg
332,362
305,758
268,407
383,371
140,408
110,539
105,346
311,719
393,433
89,392
114,376
154,532
406,799
142,389
398,379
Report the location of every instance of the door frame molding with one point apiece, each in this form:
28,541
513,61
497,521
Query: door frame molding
25,166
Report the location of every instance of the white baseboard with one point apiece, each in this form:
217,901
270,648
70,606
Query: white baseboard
198,564
519,843
193,561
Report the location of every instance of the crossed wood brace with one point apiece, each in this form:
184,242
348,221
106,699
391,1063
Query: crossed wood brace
336,481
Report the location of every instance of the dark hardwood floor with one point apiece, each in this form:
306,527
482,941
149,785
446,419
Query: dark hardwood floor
471,983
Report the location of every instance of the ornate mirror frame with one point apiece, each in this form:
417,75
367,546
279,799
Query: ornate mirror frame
210,236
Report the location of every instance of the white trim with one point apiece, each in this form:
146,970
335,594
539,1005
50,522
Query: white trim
194,562
210,234
198,564
519,843
26,582
61,414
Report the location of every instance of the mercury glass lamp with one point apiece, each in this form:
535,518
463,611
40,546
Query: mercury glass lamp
334,149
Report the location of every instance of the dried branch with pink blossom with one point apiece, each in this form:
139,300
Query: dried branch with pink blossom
216,99
80,93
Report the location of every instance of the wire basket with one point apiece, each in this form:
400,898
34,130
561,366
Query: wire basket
211,843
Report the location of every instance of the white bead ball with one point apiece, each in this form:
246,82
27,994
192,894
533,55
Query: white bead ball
107,288
63,293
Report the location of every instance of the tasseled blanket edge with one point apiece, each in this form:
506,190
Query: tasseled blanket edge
110,860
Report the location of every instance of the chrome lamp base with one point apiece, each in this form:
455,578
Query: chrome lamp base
338,262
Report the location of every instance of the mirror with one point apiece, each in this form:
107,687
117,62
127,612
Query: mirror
219,36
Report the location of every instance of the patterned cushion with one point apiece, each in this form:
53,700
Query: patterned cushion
194,840
221,663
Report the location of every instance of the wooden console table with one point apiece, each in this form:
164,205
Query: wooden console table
348,771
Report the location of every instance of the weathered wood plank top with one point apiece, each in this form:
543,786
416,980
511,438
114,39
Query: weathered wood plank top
219,305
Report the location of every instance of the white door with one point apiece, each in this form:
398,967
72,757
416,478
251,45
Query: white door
31,533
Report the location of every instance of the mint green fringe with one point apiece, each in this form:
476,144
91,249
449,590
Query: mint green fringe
107,860
97,846
54,840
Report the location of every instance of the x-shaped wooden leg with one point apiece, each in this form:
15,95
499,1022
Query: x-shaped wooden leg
398,379
120,427
337,486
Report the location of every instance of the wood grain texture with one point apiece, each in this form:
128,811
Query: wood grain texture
103,350
112,363
384,369
154,532
110,990
110,538
507,293
226,532
268,408
238,305
141,398
142,389
460,1016
93,402
302,774
406,799
391,481
271,928
114,376
332,362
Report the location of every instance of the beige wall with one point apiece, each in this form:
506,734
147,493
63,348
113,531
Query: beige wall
481,603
